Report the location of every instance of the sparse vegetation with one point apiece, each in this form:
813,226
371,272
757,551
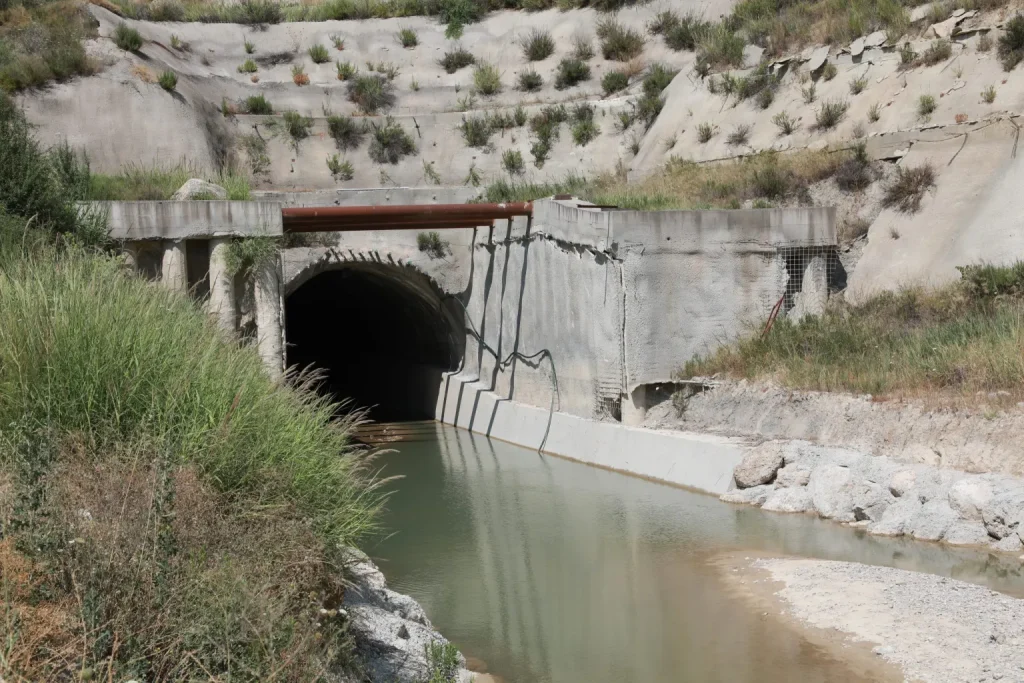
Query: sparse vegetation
571,72
177,43
430,243
938,51
319,54
155,183
456,59
1011,42
168,80
372,93
297,127
809,92
537,45
925,106
476,130
618,42
341,169
408,38
706,131
721,47
829,71
582,47
857,85
584,128
512,162
765,98
487,79
127,38
984,42
250,47
680,33
874,113
390,142
907,189
855,172
907,56
455,14
255,149
830,114
529,81
248,67
337,41
347,133
739,136
473,177
988,95
299,75
785,123
430,173
614,81
346,70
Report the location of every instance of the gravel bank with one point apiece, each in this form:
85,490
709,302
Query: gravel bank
937,630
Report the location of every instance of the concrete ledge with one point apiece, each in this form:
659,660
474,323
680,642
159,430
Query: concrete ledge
699,461
174,220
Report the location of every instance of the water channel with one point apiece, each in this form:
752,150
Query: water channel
553,571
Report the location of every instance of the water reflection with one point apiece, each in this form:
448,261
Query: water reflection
553,571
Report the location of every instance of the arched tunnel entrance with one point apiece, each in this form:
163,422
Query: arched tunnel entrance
382,335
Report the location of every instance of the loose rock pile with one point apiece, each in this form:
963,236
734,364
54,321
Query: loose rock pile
884,496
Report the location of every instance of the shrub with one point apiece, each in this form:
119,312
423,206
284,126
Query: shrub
340,169
785,123
337,41
476,130
512,162
258,12
983,281
857,85
829,72
296,126
407,38
250,47
248,67
570,72
168,10
988,95
739,136
925,106
721,47
537,45
390,142
299,76
318,53
619,43
371,93
907,56
487,79
346,132
765,98
1011,43
127,38
706,131
456,59
257,104
984,43
455,14
614,81
529,81
854,173
346,70
431,244
687,33
830,114
168,80
584,130
874,113
938,51
809,92
519,116
907,189
657,79
582,48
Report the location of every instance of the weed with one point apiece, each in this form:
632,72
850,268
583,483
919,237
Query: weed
177,43
1011,42
466,103
340,169
687,33
830,114
765,98
390,142
739,136
984,43
857,85
414,85
337,41
407,38
346,70
519,116
721,47
829,72
257,12
227,108
854,173
614,81
387,69
249,46
874,113
430,173
785,123
476,130
319,54
248,67
512,162
456,59
168,80
529,81
618,42
487,79
442,659
570,72
537,45
584,130
938,51
127,38
907,56
657,79
925,106
472,176
907,189
456,14
299,76
347,133
430,243
706,131
371,93
809,92
988,95
297,127
582,47
255,149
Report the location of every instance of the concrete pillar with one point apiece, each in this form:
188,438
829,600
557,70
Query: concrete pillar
634,407
813,295
131,255
174,272
269,320
222,285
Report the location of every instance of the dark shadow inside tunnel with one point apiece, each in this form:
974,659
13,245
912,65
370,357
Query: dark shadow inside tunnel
382,335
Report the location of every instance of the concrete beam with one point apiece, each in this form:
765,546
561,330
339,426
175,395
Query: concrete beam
174,268
222,285
192,219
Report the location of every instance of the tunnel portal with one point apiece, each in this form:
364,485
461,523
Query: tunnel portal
382,335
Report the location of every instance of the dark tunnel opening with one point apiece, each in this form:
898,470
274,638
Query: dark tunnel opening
382,335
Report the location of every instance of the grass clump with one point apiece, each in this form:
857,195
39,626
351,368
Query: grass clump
988,95
456,14
681,33
582,47
512,162
41,42
346,70
740,135
296,126
487,79
706,131
372,93
537,45
939,51
168,80
984,42
854,173
571,72
431,244
857,85
340,169
875,113
925,106
390,142
155,183
408,38
1011,43
584,128
529,81
319,54
907,56
456,59
721,47
618,42
299,75
250,47
248,67
257,104
829,72
907,189
337,41
476,130
127,38
830,114
785,123
614,81
809,93
347,133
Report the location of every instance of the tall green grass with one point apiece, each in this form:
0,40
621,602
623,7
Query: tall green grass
136,182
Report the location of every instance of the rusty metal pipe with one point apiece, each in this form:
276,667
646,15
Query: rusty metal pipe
420,225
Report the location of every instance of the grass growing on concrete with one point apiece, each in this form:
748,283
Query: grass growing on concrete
372,93
487,79
407,38
1011,43
905,192
476,130
127,38
571,71
537,45
347,132
42,42
960,340
390,142
529,81
257,104
618,42
168,80
136,182
614,81
458,58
